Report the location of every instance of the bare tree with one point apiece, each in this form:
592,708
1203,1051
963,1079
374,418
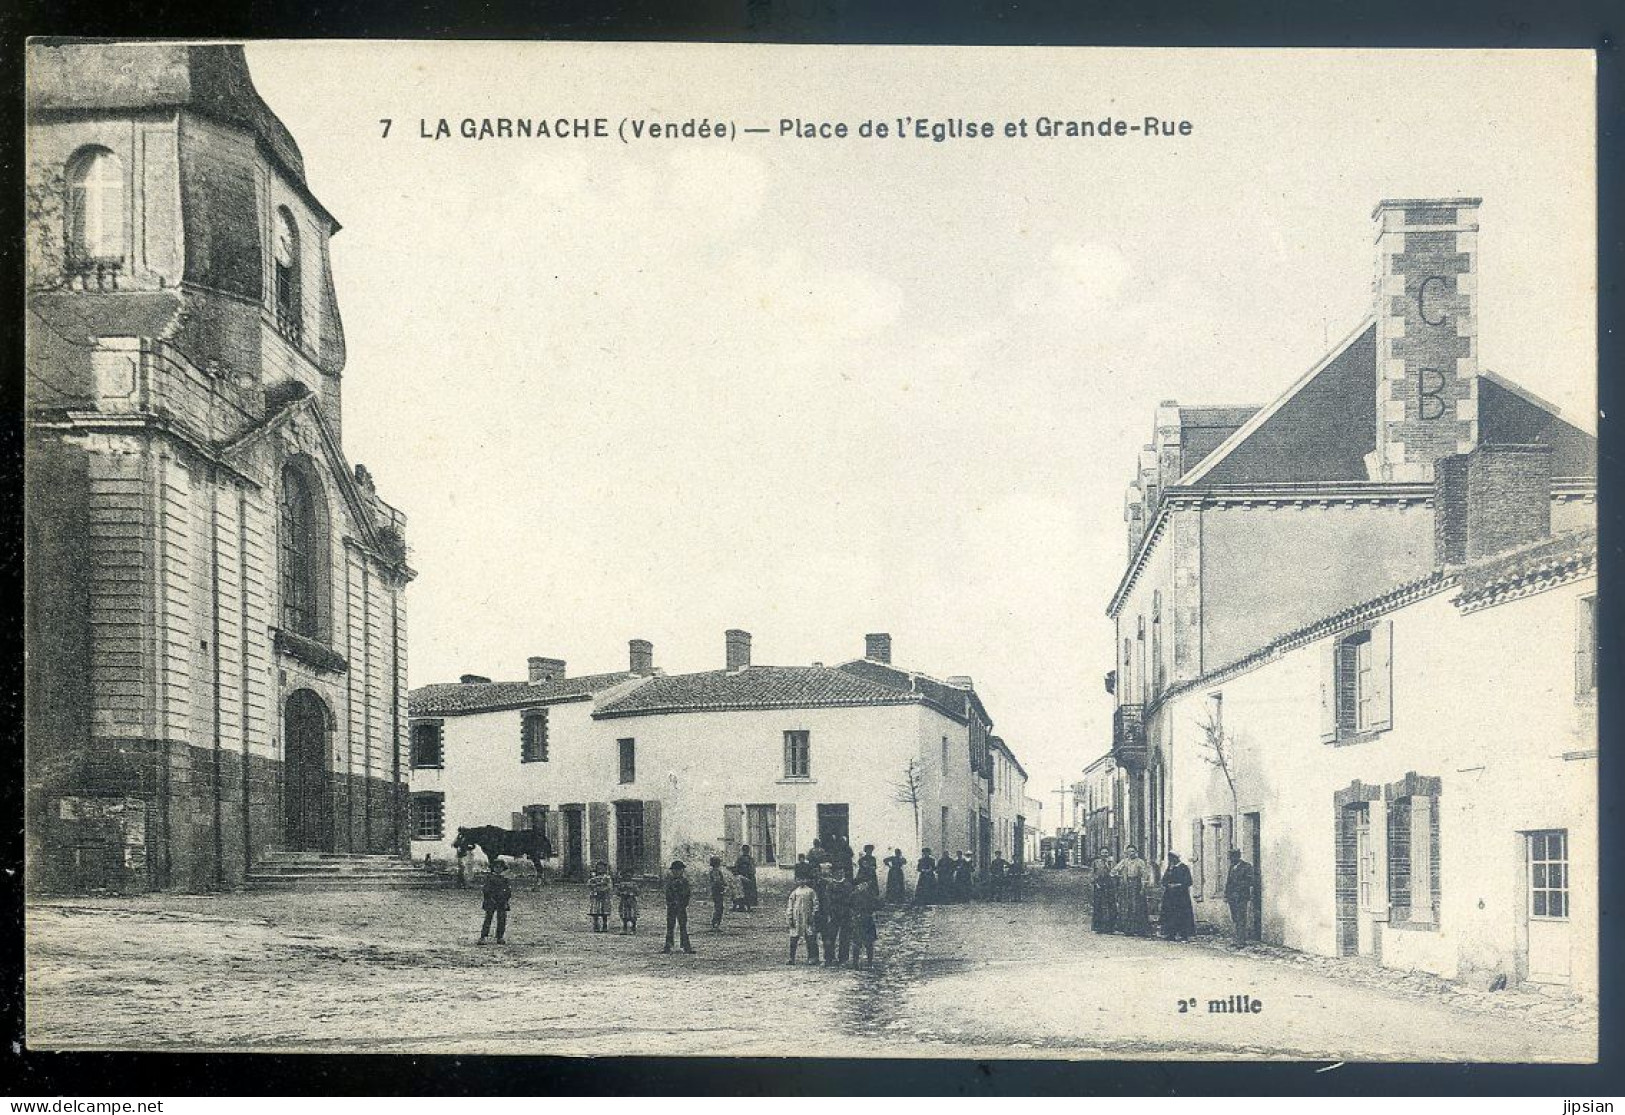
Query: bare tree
1219,750
907,790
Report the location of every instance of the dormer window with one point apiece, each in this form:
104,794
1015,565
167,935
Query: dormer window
289,318
95,217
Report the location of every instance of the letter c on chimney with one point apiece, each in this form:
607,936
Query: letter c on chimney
1422,300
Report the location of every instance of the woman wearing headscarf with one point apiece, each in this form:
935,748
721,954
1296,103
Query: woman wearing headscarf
1178,916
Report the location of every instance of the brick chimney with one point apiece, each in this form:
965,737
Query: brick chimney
642,657
1494,499
877,647
960,681
546,669
738,643
1426,295
474,679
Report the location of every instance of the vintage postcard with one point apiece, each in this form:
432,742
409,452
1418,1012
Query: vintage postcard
747,550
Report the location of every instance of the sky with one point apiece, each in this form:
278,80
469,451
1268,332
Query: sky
818,388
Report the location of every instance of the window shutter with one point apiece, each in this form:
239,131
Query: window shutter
1196,860
1585,644
1424,887
1382,676
788,847
651,838
1226,844
1328,691
518,822
733,823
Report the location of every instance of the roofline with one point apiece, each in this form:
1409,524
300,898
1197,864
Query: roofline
1531,398
764,706
509,706
1269,410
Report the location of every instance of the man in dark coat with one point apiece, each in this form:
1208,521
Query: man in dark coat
996,876
1239,888
865,901
837,921
678,891
1178,916
498,893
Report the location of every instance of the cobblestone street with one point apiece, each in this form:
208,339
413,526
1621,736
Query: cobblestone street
399,971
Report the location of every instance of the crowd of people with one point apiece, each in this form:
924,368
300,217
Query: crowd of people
831,909
1121,893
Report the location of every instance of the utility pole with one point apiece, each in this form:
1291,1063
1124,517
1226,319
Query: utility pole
1061,820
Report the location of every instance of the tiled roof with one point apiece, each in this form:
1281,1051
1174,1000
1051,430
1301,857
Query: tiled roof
456,698
1517,572
948,699
755,687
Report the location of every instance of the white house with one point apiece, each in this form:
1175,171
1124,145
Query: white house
637,767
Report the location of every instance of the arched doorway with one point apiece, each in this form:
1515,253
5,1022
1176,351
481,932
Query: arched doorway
307,814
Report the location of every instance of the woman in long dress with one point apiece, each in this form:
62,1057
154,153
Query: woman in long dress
1133,878
745,868
1178,916
925,889
896,889
1104,887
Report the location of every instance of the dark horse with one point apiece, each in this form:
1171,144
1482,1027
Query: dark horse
531,844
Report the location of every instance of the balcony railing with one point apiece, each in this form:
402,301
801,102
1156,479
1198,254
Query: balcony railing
93,274
1128,736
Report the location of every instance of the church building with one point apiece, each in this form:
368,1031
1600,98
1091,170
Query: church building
215,613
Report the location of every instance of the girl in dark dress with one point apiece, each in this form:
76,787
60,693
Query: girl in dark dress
1178,917
925,890
896,889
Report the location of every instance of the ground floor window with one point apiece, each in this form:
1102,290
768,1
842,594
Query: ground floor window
1549,874
428,816
535,817
762,832
942,848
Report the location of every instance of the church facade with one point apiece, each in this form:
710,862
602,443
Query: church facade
215,614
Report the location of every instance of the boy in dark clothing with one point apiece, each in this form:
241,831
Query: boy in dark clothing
865,901
677,895
498,893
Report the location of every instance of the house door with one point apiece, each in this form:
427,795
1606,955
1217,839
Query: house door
834,820
1546,856
307,818
1252,842
629,837
574,841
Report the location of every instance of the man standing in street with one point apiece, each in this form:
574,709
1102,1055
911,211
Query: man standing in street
677,895
1239,889
498,893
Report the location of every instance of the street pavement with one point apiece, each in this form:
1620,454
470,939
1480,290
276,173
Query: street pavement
399,972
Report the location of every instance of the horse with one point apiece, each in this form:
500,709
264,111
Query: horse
531,844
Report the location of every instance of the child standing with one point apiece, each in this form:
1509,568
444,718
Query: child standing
599,887
799,914
865,901
497,894
627,888
719,891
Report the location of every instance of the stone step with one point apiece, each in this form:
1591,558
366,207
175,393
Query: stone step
330,871
320,883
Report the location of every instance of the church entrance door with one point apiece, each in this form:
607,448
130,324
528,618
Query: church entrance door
307,819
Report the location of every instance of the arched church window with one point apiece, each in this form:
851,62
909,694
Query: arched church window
95,212
302,541
285,253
